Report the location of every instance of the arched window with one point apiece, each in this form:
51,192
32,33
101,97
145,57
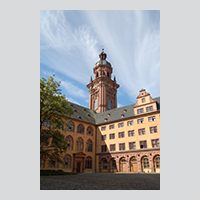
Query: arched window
88,163
107,74
95,104
89,145
58,126
145,162
69,140
97,74
90,131
104,163
80,129
109,104
70,126
79,144
67,160
157,162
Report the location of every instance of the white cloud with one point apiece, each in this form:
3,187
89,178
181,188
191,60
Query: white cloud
65,47
73,90
119,105
70,44
133,47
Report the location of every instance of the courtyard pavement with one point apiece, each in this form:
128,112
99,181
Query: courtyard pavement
101,181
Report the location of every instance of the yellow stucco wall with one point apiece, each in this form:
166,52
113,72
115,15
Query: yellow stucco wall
76,135
137,138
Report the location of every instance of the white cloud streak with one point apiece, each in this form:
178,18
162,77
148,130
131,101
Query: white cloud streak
135,56
71,42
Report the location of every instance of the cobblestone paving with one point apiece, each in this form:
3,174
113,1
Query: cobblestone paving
101,181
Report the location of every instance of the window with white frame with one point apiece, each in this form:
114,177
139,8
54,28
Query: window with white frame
153,129
152,118
141,131
140,121
130,123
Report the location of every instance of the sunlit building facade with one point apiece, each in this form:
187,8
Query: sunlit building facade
104,138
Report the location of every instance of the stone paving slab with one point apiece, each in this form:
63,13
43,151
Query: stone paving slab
101,181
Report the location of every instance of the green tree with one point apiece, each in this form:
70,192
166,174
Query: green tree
54,111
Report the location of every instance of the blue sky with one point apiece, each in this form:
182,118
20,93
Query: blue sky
71,41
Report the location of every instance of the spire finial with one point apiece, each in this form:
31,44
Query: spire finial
102,55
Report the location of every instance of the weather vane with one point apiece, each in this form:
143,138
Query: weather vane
103,48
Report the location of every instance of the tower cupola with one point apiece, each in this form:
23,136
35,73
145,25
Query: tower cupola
102,90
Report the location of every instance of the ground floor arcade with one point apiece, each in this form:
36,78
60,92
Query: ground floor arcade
136,161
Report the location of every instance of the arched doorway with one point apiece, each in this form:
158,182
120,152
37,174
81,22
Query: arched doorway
113,165
123,165
104,165
133,164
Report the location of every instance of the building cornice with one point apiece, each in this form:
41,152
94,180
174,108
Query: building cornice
129,151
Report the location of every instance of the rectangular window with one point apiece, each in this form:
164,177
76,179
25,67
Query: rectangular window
153,129
109,104
131,133
121,146
121,134
112,147
155,143
132,145
143,100
120,124
141,110
150,108
95,104
130,123
143,144
112,136
103,137
140,121
112,126
151,119
141,131
103,128
103,148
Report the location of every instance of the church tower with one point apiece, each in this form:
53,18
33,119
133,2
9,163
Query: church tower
102,90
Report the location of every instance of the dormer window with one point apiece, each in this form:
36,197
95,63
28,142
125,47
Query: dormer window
124,110
141,110
150,108
143,99
122,116
108,114
105,119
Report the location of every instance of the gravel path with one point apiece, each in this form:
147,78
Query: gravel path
100,181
